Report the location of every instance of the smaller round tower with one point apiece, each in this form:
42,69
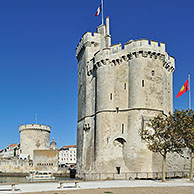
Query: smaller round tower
34,137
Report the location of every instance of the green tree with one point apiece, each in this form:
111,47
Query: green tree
184,124
160,138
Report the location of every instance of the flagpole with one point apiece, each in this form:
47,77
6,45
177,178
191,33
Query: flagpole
189,78
102,12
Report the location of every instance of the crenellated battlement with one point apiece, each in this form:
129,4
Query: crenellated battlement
115,55
116,48
34,127
158,47
87,40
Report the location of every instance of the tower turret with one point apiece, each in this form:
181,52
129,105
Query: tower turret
53,144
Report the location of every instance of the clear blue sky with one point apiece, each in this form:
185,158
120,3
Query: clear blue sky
38,71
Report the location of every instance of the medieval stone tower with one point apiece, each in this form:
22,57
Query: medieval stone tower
119,90
34,137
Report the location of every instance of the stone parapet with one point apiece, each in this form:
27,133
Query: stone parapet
144,43
87,40
115,55
35,127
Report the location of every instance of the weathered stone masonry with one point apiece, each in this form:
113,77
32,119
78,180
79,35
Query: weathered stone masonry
119,90
34,137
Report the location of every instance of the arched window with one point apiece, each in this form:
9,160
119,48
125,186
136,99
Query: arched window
119,142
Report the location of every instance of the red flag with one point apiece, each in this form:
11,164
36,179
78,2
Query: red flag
184,88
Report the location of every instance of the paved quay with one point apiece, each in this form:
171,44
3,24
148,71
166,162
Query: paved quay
39,187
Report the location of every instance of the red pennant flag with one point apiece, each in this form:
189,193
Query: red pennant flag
184,88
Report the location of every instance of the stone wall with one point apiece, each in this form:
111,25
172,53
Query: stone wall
43,160
46,160
15,166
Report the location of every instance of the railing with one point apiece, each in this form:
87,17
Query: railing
132,175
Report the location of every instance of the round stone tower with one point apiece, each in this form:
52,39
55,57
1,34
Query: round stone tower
119,90
34,137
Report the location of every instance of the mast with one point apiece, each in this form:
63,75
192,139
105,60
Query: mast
189,78
102,4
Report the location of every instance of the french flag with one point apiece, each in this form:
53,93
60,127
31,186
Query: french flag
98,10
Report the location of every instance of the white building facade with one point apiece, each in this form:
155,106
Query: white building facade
11,151
67,156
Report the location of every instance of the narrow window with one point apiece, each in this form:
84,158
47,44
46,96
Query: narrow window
122,127
118,170
153,72
125,86
110,96
142,83
107,139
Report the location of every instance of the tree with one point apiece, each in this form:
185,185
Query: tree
160,138
184,125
